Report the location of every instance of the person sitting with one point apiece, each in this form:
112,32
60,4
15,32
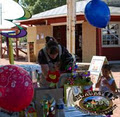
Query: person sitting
106,83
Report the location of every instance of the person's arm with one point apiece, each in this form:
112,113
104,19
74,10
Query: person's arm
112,87
43,62
99,82
43,82
66,60
44,67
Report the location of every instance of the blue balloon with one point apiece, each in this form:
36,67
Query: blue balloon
97,13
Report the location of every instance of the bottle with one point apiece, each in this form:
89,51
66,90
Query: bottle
59,108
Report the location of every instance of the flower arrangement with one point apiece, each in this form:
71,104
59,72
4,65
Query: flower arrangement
73,77
82,79
78,78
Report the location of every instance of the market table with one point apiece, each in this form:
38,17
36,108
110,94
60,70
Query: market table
30,68
73,112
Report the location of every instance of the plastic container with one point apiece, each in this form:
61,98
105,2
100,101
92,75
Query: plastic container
59,108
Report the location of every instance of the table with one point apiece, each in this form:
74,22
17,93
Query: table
69,112
30,68
73,112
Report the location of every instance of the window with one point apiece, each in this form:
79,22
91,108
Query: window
111,35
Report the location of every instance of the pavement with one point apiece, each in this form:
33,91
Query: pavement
5,61
115,72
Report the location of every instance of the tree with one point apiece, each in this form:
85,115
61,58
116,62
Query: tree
37,6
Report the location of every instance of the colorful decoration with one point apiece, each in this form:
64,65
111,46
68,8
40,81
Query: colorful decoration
22,33
80,79
19,14
53,76
31,108
95,103
70,81
16,90
97,13
48,105
77,79
30,111
12,11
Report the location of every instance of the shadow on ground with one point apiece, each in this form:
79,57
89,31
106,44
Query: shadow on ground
115,67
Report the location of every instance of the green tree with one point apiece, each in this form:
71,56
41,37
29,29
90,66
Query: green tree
37,6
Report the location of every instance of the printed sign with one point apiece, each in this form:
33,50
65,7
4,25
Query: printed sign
95,102
95,68
92,102
96,64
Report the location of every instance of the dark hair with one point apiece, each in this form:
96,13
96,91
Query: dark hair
106,66
48,38
53,47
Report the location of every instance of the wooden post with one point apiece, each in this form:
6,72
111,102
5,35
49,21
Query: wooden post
7,44
71,20
16,50
10,48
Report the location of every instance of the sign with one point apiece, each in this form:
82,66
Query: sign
92,102
95,102
95,68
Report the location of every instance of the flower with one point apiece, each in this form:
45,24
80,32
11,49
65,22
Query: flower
53,76
73,78
82,79
76,78
86,74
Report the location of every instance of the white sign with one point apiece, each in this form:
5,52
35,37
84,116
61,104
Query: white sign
96,64
95,67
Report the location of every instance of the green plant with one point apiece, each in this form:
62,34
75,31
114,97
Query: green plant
23,39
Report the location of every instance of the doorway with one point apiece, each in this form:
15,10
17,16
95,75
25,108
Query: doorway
78,42
59,32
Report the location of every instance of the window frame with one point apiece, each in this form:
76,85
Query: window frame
118,45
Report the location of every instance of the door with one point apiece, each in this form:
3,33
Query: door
78,42
59,32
